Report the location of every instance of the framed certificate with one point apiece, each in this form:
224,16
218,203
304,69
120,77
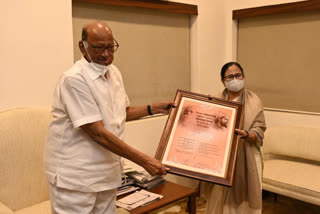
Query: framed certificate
199,140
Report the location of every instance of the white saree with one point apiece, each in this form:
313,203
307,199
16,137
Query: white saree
245,195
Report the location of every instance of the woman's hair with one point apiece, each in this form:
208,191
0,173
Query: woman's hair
227,65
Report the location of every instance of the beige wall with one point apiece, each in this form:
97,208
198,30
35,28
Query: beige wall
36,47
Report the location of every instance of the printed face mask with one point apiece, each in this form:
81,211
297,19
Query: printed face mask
234,85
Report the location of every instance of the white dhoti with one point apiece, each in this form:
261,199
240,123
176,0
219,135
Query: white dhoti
65,201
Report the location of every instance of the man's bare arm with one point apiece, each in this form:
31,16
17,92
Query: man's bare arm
109,141
137,112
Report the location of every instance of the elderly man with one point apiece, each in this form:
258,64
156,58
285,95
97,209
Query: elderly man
85,138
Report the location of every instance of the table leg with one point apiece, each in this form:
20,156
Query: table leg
192,207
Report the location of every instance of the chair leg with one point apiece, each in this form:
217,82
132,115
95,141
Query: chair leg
191,205
275,197
265,194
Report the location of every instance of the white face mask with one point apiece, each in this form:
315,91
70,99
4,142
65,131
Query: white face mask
234,85
98,67
93,65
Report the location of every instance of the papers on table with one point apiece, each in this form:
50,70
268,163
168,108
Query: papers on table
143,176
140,176
137,199
126,190
133,178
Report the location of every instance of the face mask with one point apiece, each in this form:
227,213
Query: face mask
234,85
93,65
98,67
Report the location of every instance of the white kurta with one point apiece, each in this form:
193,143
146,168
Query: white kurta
73,160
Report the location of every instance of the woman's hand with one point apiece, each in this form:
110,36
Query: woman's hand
248,135
242,133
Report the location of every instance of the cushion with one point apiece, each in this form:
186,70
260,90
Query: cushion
45,208
22,136
40,208
4,209
298,179
293,141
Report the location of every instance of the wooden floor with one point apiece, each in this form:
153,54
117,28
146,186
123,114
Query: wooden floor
283,205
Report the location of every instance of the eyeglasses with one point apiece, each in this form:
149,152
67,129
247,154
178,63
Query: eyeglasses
230,77
101,48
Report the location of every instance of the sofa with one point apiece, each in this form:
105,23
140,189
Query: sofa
292,159
291,152
23,185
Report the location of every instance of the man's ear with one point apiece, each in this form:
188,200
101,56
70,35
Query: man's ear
82,48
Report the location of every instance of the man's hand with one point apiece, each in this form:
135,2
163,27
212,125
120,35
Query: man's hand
155,167
162,107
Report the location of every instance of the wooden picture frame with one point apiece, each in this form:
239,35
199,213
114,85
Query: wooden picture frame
199,140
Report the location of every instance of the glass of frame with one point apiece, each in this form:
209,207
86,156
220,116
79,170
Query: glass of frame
199,140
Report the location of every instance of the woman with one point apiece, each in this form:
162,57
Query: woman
245,195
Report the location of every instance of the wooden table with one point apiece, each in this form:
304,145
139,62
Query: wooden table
171,192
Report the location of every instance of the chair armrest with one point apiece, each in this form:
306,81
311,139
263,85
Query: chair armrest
4,209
